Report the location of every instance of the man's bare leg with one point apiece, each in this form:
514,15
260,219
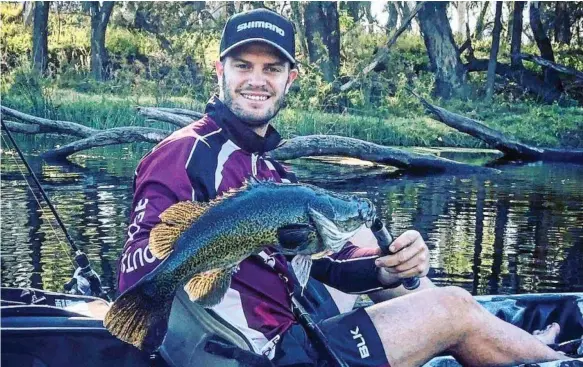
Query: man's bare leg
416,327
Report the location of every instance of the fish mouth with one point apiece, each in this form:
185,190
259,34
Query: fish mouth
333,237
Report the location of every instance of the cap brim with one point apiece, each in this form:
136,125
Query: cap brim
249,40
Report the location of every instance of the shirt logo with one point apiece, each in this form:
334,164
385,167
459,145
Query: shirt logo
362,348
261,24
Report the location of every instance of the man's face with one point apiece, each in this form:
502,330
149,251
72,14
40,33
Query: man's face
254,80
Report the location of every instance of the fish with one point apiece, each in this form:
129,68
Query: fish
202,243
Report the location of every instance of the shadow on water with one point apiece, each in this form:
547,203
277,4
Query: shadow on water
515,232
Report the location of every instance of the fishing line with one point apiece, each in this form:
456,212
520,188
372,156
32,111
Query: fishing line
34,195
83,272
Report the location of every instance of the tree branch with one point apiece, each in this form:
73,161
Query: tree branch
158,114
116,135
510,146
384,51
66,127
333,145
546,63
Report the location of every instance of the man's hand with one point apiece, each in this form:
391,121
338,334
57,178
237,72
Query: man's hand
410,258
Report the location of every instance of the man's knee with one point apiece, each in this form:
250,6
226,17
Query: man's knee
460,303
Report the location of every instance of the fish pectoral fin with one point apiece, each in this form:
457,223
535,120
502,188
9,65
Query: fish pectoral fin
174,221
209,288
295,235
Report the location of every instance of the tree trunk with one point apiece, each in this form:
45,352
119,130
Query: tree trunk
515,60
443,53
544,44
99,20
462,13
352,8
39,36
405,12
562,23
494,52
333,35
297,17
393,17
481,21
510,21
323,36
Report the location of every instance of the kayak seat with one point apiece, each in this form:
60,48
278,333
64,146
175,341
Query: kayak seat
190,328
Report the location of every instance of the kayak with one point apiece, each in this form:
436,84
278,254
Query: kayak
40,328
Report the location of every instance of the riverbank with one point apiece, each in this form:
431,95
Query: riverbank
402,121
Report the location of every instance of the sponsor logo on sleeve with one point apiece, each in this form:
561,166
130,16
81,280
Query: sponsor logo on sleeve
136,258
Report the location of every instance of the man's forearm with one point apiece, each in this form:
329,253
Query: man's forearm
388,294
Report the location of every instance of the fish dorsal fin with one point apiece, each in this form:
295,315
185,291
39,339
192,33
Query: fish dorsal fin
174,221
209,288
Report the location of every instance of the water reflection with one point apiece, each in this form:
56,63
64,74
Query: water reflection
519,231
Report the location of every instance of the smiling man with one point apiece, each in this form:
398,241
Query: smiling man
230,145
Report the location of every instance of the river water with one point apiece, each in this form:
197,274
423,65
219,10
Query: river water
518,231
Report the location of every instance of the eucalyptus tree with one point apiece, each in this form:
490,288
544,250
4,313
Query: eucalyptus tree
323,36
40,32
450,74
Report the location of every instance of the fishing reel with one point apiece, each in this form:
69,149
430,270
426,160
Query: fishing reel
85,281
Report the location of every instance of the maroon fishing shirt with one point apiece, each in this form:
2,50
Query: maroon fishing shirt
201,161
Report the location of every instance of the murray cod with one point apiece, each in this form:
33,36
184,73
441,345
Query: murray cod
201,245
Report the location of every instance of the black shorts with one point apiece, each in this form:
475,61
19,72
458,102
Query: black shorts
351,335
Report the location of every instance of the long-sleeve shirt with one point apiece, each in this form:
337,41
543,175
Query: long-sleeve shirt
200,162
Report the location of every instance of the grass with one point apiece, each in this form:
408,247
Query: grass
403,123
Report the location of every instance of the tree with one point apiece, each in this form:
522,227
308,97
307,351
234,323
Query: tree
481,21
39,36
562,23
544,44
297,16
494,51
99,20
516,42
450,74
393,16
323,36
405,12
462,15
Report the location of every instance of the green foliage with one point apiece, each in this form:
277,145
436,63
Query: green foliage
170,62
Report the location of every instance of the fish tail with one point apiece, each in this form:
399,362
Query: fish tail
138,318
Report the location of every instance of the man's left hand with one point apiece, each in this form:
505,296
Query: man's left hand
409,258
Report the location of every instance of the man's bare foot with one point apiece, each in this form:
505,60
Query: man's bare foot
548,335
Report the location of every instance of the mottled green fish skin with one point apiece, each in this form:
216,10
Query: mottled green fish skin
246,222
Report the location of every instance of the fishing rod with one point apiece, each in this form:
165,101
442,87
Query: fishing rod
384,240
83,266
314,330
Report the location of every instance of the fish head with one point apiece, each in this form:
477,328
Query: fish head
329,221
337,217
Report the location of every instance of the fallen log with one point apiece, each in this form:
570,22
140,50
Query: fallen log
333,145
116,135
181,111
511,147
522,77
66,127
19,127
298,147
549,64
160,115
384,51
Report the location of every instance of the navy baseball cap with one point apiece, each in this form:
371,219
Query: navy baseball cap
259,25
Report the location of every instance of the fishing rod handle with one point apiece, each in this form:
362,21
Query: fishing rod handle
384,240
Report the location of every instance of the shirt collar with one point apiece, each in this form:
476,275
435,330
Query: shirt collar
239,131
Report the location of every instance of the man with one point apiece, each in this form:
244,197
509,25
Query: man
229,145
